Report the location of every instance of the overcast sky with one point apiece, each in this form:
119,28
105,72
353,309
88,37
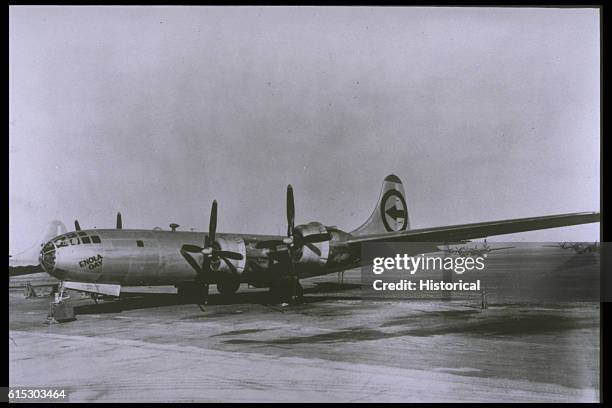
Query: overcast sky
484,113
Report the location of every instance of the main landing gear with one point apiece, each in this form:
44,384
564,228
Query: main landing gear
228,288
194,292
285,293
199,292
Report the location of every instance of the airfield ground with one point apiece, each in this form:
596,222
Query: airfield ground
337,346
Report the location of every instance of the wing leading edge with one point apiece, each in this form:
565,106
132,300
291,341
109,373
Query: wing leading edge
480,229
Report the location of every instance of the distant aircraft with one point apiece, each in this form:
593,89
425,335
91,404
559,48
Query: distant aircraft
475,251
578,247
103,260
562,245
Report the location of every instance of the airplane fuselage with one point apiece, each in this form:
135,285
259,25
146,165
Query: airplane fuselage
153,257
134,257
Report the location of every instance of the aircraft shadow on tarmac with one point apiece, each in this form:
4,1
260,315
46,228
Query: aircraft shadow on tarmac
144,300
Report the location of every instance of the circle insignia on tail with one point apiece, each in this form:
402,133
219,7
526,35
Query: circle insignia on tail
393,211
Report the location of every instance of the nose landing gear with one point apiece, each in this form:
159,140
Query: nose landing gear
60,309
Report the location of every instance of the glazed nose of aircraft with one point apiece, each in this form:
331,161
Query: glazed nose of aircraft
47,258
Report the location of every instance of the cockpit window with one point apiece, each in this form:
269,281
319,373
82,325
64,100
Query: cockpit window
86,240
74,241
95,239
48,247
82,233
61,242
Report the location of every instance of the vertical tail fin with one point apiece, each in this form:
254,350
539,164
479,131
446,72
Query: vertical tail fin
390,213
54,229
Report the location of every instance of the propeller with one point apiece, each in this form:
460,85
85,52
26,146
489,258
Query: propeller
295,241
77,226
211,252
290,240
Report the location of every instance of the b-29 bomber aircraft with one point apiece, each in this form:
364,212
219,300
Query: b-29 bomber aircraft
101,261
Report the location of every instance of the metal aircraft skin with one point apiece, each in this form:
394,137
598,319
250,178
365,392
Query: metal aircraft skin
97,259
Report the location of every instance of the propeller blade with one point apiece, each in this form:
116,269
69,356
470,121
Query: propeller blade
290,242
291,266
205,268
290,211
191,248
77,226
206,261
119,222
212,228
227,254
191,261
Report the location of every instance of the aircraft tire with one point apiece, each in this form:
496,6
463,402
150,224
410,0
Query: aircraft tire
282,293
228,288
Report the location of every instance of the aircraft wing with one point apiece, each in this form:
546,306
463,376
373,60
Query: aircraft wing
480,229
497,249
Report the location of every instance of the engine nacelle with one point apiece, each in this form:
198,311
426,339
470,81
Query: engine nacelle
234,244
305,255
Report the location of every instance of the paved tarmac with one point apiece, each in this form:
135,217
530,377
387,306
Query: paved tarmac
151,346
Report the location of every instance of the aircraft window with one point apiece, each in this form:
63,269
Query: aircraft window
61,242
81,233
71,235
140,243
74,241
48,247
95,239
86,240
